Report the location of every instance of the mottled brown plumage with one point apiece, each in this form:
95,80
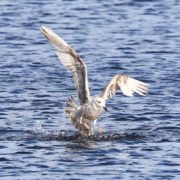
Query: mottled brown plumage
84,115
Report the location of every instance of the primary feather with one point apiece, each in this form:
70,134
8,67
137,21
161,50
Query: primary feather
127,85
72,61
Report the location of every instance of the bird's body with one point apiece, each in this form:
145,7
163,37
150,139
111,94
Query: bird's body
83,115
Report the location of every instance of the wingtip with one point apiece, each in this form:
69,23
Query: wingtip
48,31
44,29
147,84
54,39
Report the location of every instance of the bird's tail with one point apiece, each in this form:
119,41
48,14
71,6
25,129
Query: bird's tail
72,113
72,106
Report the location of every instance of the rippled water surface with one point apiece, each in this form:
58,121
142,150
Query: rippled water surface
134,37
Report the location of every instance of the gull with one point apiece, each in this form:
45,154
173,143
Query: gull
84,114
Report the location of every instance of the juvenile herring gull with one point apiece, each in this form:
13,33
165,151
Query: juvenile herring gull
83,115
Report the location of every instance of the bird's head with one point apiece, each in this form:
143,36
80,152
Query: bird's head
100,102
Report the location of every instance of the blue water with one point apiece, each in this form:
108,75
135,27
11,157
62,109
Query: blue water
134,37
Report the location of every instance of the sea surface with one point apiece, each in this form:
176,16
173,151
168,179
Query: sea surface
140,38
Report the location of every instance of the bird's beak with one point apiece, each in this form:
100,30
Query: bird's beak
105,108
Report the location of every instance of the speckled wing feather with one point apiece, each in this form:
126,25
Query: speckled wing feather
72,61
128,86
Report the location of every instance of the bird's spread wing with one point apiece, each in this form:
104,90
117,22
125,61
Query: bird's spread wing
127,85
72,61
